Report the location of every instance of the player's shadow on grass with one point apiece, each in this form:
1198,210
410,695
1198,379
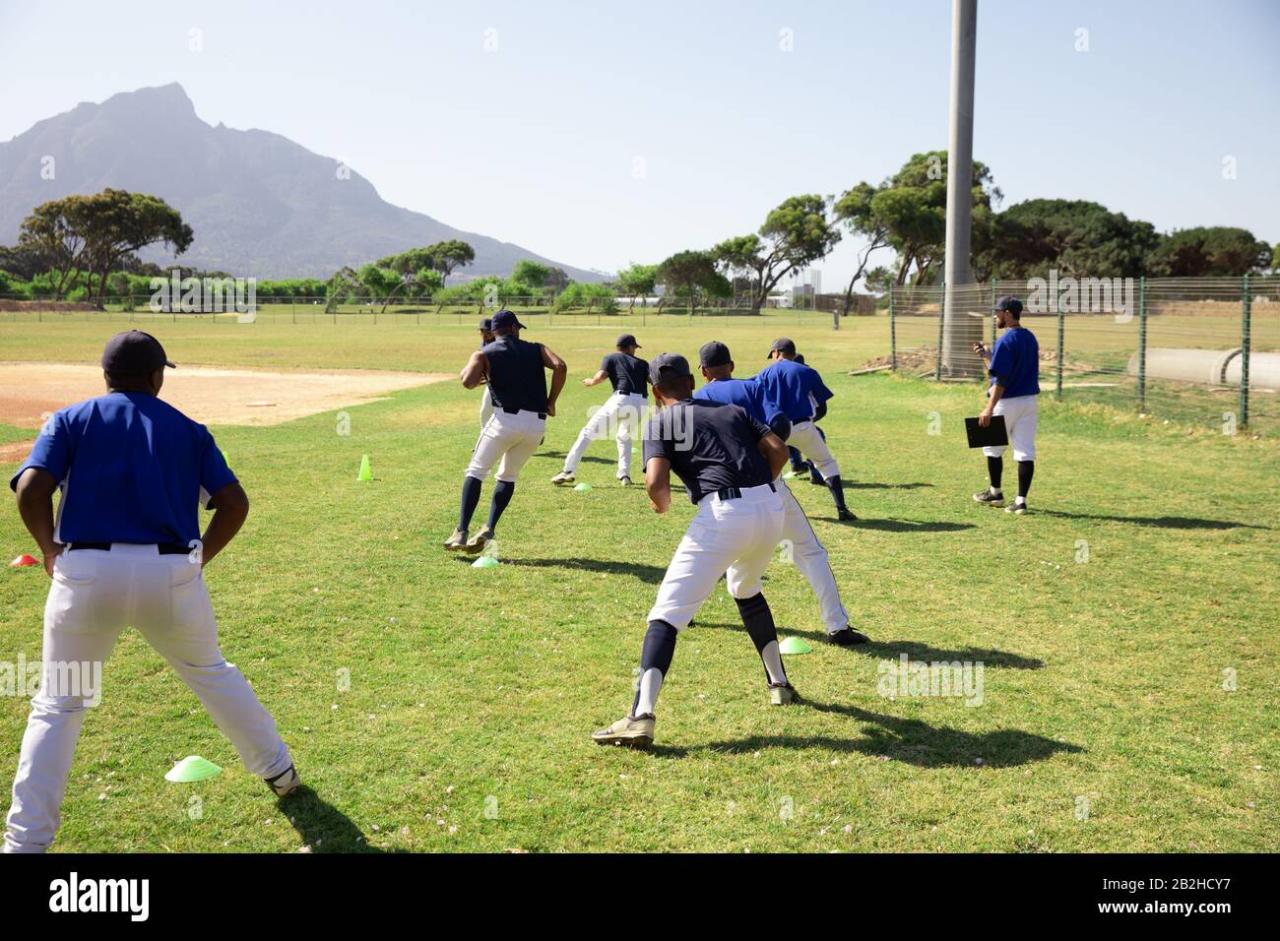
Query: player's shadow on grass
322,826
1159,522
907,740
893,649
899,525
652,574
857,485
586,458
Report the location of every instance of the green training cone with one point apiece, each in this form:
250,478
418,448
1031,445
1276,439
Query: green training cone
192,769
485,562
583,487
794,645
366,472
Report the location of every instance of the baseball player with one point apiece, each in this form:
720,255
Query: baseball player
809,555
628,375
486,400
125,550
728,462
799,393
1014,366
801,465
516,374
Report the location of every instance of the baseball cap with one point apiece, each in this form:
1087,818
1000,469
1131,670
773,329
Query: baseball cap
782,345
627,339
1011,304
714,353
505,318
666,366
133,353
486,324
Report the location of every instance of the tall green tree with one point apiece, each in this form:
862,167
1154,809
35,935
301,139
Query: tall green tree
54,233
794,235
451,255
637,281
1209,252
116,224
693,275
1076,237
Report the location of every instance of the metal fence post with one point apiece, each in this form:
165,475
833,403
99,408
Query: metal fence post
1246,311
942,307
1142,344
893,334
1062,335
991,321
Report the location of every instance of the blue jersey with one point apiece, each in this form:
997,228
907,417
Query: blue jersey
793,388
1015,363
131,467
742,392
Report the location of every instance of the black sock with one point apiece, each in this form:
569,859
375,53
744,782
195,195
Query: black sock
995,470
503,490
837,492
797,463
656,653
758,620
470,500
1026,470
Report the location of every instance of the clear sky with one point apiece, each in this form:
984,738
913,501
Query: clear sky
608,132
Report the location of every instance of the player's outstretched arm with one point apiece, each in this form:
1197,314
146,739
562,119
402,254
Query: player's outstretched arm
231,509
559,373
657,483
473,374
35,505
595,380
775,452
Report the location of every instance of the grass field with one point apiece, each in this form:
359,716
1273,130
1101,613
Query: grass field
1127,631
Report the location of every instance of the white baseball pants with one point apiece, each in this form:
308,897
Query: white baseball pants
735,538
621,414
810,557
806,439
486,408
1021,415
95,594
507,440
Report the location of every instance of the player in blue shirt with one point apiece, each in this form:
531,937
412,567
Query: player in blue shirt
125,549
798,392
808,554
1014,366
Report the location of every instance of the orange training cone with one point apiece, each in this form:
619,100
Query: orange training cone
23,561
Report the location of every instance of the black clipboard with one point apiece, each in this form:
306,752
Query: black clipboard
994,435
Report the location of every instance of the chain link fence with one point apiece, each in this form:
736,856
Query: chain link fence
1199,350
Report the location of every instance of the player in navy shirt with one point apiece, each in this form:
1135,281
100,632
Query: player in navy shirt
620,416
126,550
797,390
1014,366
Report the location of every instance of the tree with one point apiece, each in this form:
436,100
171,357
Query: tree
794,235
530,274
54,233
115,224
691,273
1209,252
853,209
451,255
24,263
637,281
908,213
1076,237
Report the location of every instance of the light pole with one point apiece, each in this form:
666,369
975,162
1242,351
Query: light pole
960,332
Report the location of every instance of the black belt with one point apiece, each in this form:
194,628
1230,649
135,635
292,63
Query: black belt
733,493
517,411
168,549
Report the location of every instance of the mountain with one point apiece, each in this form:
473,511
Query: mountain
260,204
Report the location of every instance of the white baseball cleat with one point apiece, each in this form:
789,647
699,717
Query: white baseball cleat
563,479
631,731
285,783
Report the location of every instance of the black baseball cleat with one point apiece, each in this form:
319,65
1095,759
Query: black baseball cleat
457,542
844,514
987,498
848,637
479,541
1017,508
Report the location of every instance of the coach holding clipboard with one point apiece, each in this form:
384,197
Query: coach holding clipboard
1014,366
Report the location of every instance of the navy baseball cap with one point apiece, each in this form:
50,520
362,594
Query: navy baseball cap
714,353
505,318
134,353
627,339
1011,304
782,345
668,366
486,325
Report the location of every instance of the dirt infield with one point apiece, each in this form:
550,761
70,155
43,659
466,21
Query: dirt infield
213,396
